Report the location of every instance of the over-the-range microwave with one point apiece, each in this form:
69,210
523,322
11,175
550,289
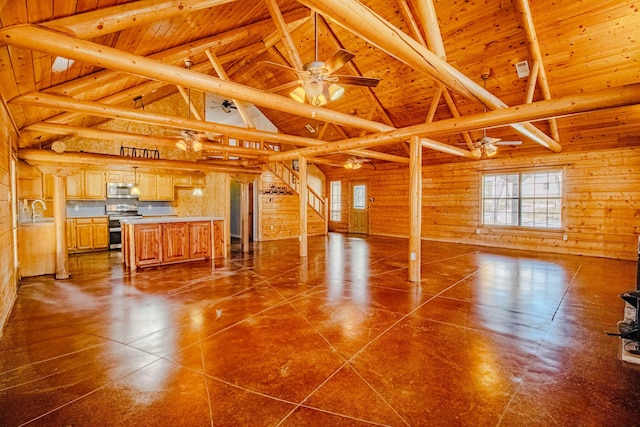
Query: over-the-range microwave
120,190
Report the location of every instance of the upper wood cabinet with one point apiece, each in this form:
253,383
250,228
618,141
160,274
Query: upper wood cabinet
155,187
88,185
95,187
128,177
188,181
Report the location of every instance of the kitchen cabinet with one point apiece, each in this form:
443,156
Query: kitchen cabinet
200,239
74,186
175,242
87,234
147,244
88,185
219,248
36,249
128,177
155,187
188,181
94,185
156,241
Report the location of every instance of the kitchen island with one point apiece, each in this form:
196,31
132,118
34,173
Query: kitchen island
166,240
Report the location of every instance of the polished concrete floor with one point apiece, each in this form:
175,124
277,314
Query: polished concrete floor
489,337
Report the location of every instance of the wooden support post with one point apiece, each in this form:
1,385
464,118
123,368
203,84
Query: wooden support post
60,226
415,208
304,196
244,209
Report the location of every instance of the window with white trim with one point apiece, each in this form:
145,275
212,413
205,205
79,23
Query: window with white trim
336,200
523,199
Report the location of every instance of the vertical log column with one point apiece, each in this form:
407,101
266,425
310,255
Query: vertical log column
244,208
60,226
59,215
415,208
304,199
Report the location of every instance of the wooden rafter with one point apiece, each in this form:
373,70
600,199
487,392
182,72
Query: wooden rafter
36,38
116,18
541,110
536,54
98,109
360,20
285,36
217,65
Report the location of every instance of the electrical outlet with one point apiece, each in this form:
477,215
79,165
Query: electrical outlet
477,231
565,237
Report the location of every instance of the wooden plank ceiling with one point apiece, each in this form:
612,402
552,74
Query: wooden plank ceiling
572,48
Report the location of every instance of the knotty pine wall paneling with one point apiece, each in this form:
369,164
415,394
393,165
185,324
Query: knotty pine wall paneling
8,275
279,214
601,207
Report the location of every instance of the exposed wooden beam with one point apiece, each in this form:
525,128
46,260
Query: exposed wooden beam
289,45
536,55
98,109
116,18
177,54
357,18
541,110
427,12
356,71
217,65
87,160
116,136
40,39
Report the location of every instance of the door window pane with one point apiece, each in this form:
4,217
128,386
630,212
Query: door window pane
359,196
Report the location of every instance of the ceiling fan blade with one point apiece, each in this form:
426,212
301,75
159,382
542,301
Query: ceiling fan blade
337,60
285,86
508,143
280,67
357,80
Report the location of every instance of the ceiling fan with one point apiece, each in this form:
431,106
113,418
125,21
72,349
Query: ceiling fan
189,139
354,163
486,145
317,82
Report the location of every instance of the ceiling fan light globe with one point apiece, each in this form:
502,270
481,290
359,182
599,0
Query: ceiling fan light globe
319,100
196,146
335,91
476,152
313,87
490,150
181,145
298,94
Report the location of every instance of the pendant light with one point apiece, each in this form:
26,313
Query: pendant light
135,190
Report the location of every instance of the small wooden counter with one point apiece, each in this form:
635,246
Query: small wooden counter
37,248
166,240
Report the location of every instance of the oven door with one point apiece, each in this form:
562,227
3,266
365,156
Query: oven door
115,238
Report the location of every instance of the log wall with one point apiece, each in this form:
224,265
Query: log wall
601,209
8,279
279,214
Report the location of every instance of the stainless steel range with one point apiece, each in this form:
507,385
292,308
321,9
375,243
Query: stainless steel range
115,213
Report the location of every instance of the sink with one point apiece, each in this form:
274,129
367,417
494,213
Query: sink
45,220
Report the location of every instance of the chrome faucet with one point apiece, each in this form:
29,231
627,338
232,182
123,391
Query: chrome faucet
34,214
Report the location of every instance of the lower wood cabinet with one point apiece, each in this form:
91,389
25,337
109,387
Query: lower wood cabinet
148,248
175,242
200,239
170,242
87,234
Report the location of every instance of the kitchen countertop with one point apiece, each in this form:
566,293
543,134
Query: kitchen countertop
166,219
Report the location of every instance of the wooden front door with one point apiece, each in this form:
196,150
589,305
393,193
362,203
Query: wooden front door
359,217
